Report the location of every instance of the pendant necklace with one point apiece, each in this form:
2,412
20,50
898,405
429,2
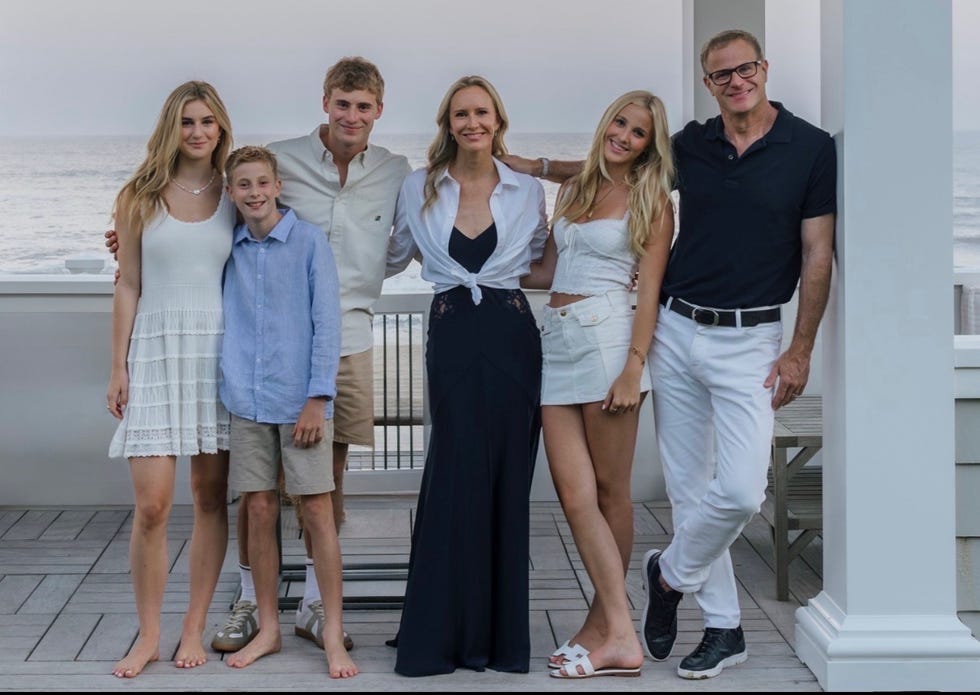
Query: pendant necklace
197,191
595,203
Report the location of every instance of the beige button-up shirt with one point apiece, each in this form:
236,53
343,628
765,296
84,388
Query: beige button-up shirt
356,217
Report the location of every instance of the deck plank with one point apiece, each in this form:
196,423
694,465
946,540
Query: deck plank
31,525
67,525
8,518
66,637
14,590
104,524
52,594
113,635
48,557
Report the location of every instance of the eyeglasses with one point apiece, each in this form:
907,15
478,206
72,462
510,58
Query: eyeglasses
745,71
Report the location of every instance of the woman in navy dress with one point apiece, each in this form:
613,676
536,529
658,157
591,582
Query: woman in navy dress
477,226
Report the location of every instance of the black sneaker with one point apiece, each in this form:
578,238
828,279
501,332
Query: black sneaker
720,647
660,611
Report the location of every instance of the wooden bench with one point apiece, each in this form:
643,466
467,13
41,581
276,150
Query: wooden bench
794,497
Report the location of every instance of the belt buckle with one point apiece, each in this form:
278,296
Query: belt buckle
713,321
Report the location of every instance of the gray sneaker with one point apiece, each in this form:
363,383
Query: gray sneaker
241,627
309,624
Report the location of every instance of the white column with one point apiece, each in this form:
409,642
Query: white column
702,19
886,618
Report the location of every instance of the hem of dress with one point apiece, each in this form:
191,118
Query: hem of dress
123,455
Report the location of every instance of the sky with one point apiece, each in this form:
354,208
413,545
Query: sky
105,66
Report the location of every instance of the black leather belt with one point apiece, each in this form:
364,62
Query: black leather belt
722,317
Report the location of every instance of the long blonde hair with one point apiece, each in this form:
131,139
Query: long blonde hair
142,196
650,179
443,148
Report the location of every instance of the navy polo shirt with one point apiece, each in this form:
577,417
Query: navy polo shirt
739,244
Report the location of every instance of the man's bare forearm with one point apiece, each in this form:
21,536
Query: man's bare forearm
818,259
543,168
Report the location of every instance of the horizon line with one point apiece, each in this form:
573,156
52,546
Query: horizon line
280,134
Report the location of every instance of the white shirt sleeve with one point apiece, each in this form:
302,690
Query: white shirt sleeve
401,246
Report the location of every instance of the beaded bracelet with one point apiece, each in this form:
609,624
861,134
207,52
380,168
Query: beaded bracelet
635,350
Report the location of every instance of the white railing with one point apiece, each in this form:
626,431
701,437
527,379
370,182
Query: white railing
966,282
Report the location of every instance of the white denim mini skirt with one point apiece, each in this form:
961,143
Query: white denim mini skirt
585,346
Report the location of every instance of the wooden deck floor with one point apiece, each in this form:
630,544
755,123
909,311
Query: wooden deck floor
67,613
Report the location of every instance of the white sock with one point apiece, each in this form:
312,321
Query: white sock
248,586
311,590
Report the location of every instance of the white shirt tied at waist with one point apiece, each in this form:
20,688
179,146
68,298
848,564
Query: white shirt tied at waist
518,208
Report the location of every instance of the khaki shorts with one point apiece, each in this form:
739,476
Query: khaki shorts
353,408
256,449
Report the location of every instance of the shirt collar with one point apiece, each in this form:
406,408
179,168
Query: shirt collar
320,150
508,178
781,131
280,232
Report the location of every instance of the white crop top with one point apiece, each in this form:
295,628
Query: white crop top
593,257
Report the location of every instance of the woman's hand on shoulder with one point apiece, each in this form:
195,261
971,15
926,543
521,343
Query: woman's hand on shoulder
112,243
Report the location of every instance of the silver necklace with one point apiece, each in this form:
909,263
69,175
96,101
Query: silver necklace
197,191
595,203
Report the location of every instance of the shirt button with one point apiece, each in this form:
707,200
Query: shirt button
562,313
731,156
259,276
594,317
261,250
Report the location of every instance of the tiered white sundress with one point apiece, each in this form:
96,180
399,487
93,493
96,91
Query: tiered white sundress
174,351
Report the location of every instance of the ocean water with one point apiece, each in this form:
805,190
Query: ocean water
966,199
58,193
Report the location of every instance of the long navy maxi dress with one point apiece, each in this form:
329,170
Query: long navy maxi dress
466,601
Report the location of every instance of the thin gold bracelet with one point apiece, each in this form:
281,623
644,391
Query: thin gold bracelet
636,351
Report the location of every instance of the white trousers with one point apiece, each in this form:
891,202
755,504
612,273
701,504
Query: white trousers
708,394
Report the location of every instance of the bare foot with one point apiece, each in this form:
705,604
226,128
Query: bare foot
265,642
191,652
338,660
143,652
620,654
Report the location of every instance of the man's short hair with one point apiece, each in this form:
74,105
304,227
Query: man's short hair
722,39
352,73
248,154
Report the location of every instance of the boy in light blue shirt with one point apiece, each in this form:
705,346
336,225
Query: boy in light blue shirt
279,360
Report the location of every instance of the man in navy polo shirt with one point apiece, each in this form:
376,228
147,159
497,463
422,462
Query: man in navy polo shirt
757,208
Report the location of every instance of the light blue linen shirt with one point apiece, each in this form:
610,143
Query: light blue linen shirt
282,322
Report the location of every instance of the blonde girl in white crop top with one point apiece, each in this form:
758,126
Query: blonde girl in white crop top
612,219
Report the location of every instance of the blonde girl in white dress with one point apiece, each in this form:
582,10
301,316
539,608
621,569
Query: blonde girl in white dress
174,225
